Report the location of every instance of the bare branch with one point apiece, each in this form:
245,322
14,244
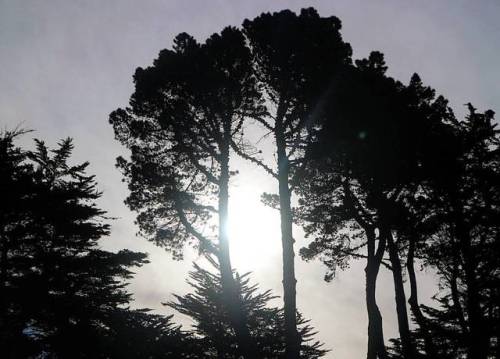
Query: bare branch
242,154
261,120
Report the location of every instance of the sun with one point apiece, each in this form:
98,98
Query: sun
254,230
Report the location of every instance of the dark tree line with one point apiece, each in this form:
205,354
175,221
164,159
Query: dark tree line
371,168
392,176
383,171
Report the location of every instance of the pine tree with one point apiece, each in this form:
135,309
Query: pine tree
61,294
266,324
366,161
296,58
465,205
180,127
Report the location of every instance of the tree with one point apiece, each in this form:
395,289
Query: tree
60,292
464,205
366,162
211,319
15,180
295,59
180,127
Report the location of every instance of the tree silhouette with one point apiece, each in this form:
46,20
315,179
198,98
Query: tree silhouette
463,204
384,172
60,293
180,127
366,161
212,322
295,59
16,180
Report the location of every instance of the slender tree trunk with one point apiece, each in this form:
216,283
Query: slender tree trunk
292,341
403,324
4,330
479,337
430,348
376,345
455,297
3,278
235,306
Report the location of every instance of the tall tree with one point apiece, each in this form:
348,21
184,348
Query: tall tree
60,292
295,59
368,158
335,213
464,203
16,181
180,127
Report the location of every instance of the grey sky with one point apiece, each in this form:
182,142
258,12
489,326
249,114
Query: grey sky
65,65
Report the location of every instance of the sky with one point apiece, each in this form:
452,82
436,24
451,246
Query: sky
65,65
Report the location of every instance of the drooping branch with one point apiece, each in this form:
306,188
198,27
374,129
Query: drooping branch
204,241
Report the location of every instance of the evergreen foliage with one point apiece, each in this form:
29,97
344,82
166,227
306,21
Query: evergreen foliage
266,323
62,294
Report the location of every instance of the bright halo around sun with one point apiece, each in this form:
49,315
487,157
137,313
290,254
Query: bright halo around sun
254,230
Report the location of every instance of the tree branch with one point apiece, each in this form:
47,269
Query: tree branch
242,154
205,242
353,203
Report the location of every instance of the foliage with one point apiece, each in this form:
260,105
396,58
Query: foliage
211,320
182,118
60,292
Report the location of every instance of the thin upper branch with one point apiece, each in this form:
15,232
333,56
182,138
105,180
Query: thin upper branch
250,158
261,120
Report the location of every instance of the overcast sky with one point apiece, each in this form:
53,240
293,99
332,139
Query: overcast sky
65,65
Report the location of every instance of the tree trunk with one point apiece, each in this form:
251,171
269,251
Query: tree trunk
455,296
403,324
430,348
229,287
479,337
4,328
376,345
3,278
292,341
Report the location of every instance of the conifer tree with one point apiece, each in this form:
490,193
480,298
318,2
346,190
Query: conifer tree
180,127
464,204
296,58
366,163
212,325
61,294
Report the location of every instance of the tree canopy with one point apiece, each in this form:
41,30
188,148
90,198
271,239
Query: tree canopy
369,167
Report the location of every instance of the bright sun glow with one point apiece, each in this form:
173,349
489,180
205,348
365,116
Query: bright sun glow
254,230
